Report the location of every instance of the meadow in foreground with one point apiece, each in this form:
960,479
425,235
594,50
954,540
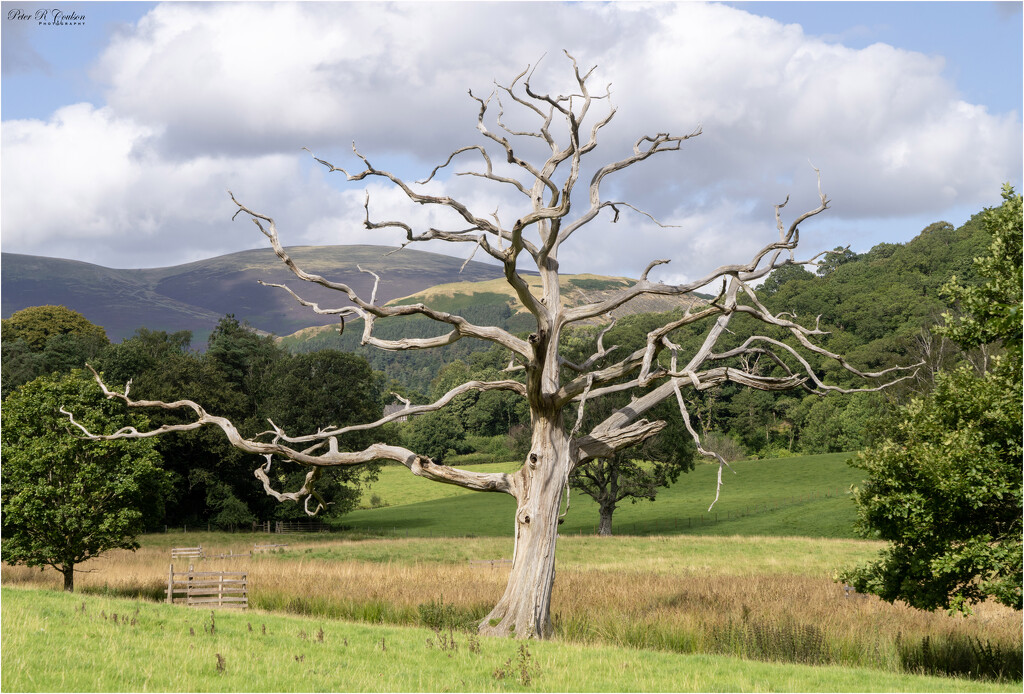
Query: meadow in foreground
771,599
92,643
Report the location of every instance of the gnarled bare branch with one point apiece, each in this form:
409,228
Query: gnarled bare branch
314,456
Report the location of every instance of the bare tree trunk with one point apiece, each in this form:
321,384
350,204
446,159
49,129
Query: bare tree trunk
69,577
605,525
524,610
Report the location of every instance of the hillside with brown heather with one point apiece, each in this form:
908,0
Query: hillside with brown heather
577,290
194,296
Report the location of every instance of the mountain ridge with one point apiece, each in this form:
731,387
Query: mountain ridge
194,296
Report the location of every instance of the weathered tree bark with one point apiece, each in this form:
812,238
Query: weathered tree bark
524,608
604,526
548,383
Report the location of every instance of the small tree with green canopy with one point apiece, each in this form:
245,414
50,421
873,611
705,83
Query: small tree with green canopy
43,339
37,324
67,500
636,473
944,487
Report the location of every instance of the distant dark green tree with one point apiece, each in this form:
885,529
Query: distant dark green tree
637,473
142,352
47,339
835,425
67,500
18,365
439,435
245,358
944,487
327,388
204,469
838,256
786,273
442,434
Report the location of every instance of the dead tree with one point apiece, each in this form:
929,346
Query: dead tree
549,383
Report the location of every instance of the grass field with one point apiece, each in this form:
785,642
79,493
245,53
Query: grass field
59,642
761,598
744,602
805,496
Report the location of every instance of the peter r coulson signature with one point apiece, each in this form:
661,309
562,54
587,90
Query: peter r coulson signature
54,17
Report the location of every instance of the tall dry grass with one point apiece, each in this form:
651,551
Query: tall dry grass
703,608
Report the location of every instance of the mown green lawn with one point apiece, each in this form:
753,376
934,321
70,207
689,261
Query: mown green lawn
804,496
61,642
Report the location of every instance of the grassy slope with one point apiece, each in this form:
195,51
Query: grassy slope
805,496
575,290
155,647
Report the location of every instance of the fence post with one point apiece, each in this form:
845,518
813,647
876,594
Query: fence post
170,585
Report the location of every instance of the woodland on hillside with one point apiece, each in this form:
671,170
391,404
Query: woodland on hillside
880,303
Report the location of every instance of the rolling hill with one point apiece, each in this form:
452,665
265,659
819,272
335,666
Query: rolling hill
467,298
196,295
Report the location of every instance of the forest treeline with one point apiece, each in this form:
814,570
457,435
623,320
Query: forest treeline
877,306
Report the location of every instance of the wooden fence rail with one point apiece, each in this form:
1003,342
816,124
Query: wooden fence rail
208,588
301,527
187,552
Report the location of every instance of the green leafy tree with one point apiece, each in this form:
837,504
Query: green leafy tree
160,364
46,339
944,487
18,365
67,500
36,324
439,435
245,358
310,390
838,256
142,352
835,425
992,310
637,473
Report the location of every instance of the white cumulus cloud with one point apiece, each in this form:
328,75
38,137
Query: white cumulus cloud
202,97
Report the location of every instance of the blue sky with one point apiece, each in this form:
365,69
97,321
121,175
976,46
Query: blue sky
121,135
980,41
45,68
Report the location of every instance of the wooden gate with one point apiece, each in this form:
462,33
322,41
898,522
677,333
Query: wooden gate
208,588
